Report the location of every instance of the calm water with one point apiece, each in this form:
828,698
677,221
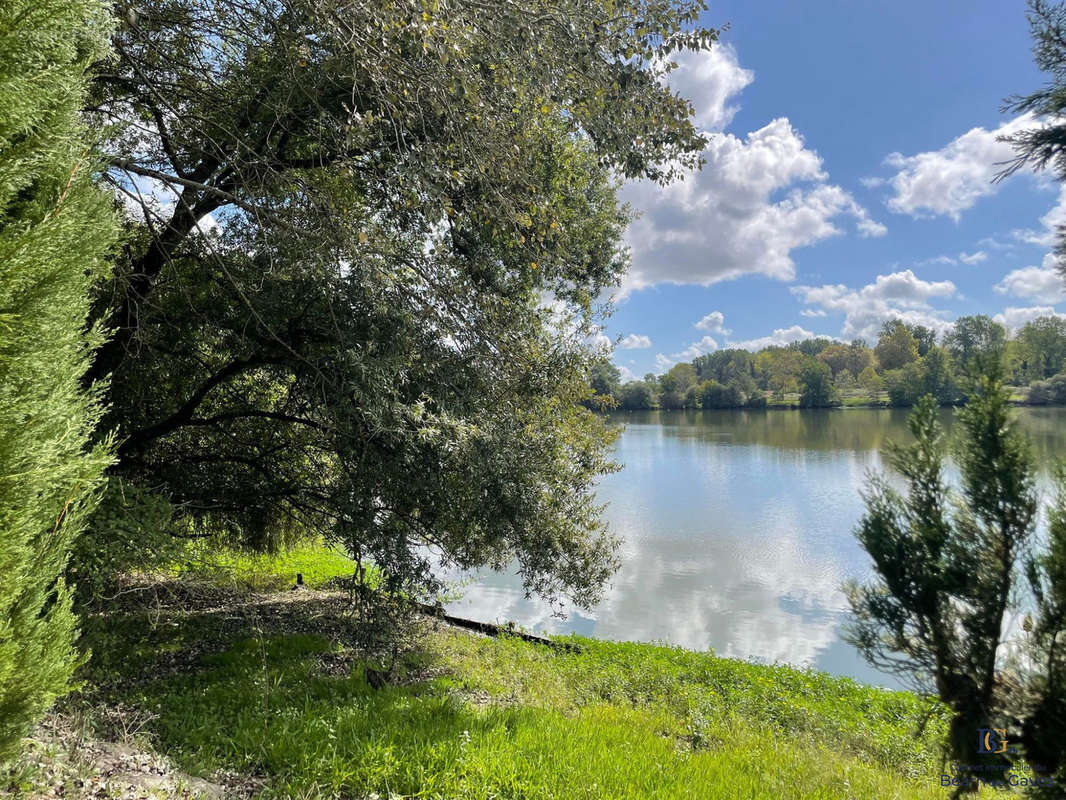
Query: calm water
737,532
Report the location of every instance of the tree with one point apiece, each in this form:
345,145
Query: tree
55,232
334,321
715,395
1043,711
674,385
896,347
852,357
779,368
1042,343
727,365
811,347
938,377
977,344
1052,391
924,338
605,380
870,380
946,565
817,386
637,396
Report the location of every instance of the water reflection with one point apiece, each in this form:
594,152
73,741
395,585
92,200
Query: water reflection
737,530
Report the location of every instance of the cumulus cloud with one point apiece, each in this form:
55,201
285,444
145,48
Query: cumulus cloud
780,337
1034,283
1050,223
759,196
713,322
900,295
952,179
635,341
1014,317
710,79
708,344
813,312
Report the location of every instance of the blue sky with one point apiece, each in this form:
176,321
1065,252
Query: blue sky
848,180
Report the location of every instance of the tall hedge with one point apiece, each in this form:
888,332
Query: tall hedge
56,230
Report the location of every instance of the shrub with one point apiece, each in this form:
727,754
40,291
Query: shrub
55,231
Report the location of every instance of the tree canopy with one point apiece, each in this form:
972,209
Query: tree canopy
366,240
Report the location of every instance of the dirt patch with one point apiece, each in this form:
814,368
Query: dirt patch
62,760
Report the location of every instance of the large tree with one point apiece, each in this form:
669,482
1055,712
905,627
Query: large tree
55,233
977,345
368,242
896,346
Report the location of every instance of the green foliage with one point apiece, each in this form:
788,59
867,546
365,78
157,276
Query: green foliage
359,348
929,375
674,385
715,395
852,358
637,395
55,231
977,345
946,565
870,380
896,347
1042,347
130,530
1044,712
605,380
816,384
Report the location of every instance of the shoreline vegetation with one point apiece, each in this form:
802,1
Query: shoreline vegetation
247,685
793,401
906,363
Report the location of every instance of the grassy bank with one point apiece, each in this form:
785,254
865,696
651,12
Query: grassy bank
266,686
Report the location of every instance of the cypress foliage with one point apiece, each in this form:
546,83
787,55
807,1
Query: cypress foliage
56,230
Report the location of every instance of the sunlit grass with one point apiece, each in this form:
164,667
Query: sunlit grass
467,716
317,563
504,718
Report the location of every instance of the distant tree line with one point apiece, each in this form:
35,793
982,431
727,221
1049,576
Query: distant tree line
906,363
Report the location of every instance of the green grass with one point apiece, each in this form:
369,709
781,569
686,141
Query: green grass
473,717
487,718
317,563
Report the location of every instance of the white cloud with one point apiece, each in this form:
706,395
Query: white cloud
625,373
952,179
1050,224
707,344
713,322
813,312
1035,283
1014,317
872,182
635,341
758,197
710,79
779,337
721,222
900,295
973,258
663,362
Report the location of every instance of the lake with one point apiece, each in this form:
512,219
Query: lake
737,531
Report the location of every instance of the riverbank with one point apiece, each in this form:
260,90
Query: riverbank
256,691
